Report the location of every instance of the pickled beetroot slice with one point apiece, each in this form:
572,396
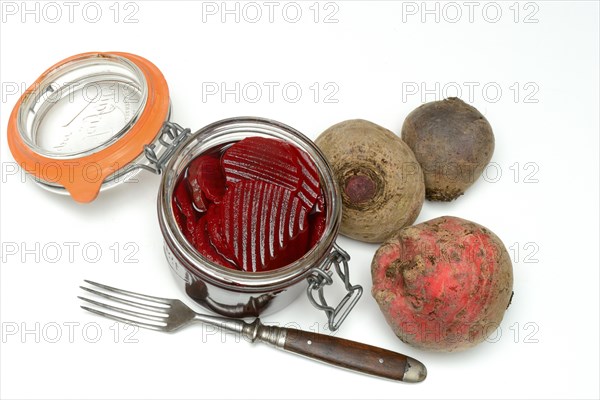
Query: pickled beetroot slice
319,203
198,198
186,225
266,160
309,185
317,228
273,161
265,225
203,244
317,220
184,200
185,215
179,217
214,221
206,179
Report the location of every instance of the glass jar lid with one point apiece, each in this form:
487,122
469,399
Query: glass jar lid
86,119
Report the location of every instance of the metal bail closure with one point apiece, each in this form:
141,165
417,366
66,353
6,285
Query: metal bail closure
82,126
170,138
322,276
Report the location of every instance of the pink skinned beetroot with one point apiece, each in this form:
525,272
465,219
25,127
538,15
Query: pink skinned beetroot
443,284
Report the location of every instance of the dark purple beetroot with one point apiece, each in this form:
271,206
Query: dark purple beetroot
453,143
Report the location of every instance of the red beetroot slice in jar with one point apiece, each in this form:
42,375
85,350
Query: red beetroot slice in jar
317,220
184,200
317,228
206,179
265,225
200,201
203,244
179,217
310,186
185,215
273,161
216,233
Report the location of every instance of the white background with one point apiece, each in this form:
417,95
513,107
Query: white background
544,61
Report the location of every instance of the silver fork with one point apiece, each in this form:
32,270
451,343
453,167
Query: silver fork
168,315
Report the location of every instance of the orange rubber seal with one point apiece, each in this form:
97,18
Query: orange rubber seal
73,173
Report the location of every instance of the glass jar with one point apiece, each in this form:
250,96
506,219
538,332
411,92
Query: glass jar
245,294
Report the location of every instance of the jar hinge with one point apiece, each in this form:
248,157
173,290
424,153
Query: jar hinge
171,136
322,276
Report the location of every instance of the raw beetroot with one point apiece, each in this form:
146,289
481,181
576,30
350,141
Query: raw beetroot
453,142
256,206
443,284
380,179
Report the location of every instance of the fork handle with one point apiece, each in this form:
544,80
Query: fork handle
356,356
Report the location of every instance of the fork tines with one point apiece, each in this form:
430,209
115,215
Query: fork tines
150,313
